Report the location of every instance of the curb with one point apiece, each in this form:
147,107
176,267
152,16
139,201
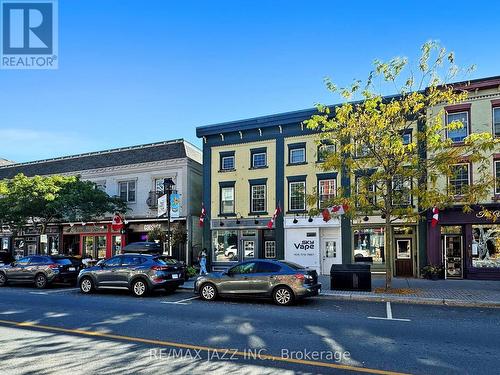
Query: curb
412,300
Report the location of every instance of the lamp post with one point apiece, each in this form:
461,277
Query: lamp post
168,184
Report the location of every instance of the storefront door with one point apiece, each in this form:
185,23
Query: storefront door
330,254
404,263
453,256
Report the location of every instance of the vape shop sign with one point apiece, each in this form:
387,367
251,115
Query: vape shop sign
302,247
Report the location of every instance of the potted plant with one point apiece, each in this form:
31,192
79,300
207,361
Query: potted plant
433,272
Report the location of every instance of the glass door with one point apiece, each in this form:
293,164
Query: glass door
330,255
88,247
453,256
117,245
101,247
404,263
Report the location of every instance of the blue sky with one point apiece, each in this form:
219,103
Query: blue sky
133,72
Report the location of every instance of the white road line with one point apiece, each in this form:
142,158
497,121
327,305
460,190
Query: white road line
389,310
181,302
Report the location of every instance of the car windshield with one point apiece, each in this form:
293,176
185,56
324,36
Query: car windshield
294,266
63,261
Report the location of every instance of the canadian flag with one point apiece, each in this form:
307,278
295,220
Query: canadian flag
277,211
435,217
340,209
117,222
202,216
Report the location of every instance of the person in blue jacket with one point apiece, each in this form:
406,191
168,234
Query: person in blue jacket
203,263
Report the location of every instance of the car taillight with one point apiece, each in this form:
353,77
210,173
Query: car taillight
159,268
299,276
53,266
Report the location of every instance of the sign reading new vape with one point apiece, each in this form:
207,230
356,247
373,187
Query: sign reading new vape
29,33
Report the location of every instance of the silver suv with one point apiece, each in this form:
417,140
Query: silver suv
139,273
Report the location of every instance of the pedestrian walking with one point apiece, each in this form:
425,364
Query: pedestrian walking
203,263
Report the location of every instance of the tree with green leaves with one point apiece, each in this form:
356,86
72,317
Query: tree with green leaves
394,149
41,200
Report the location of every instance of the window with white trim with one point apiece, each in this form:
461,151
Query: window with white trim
326,192
497,177
401,188
258,198
227,163
496,121
127,190
458,135
227,200
324,150
297,155
270,249
365,187
297,196
459,179
259,160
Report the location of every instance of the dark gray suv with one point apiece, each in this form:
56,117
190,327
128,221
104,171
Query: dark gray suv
41,270
140,273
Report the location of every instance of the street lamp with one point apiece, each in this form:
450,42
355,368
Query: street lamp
168,184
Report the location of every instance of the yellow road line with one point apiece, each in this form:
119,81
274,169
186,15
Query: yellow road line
199,347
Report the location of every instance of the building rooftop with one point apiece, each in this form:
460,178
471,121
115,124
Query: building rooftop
167,150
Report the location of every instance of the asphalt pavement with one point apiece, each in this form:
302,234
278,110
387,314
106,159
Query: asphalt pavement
59,330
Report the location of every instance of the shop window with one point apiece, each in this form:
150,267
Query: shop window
459,180
297,196
127,191
5,244
458,135
486,246
227,200
496,121
270,249
326,192
258,198
370,242
225,245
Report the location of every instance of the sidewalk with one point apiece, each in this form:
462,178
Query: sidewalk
472,293
469,293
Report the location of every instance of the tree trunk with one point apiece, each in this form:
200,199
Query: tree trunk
388,252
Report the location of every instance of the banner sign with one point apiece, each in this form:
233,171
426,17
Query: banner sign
162,205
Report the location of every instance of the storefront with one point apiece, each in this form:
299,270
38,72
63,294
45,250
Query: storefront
313,243
235,240
369,246
466,244
99,241
5,239
29,241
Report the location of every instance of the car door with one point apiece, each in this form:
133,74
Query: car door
15,271
265,277
240,279
130,265
35,264
106,272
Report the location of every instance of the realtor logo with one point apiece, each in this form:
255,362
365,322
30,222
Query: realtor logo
28,34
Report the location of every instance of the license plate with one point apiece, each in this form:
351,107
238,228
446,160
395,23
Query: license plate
71,269
175,276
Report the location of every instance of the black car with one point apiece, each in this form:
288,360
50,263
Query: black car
6,258
41,270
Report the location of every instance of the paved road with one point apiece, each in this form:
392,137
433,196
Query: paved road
60,330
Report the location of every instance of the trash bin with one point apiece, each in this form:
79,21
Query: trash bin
351,277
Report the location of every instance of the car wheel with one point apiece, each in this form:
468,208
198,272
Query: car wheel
3,279
86,285
139,288
283,296
41,281
208,292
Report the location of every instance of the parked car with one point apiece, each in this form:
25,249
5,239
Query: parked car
284,282
143,247
41,270
154,248
140,273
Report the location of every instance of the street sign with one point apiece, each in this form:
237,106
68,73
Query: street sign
162,205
